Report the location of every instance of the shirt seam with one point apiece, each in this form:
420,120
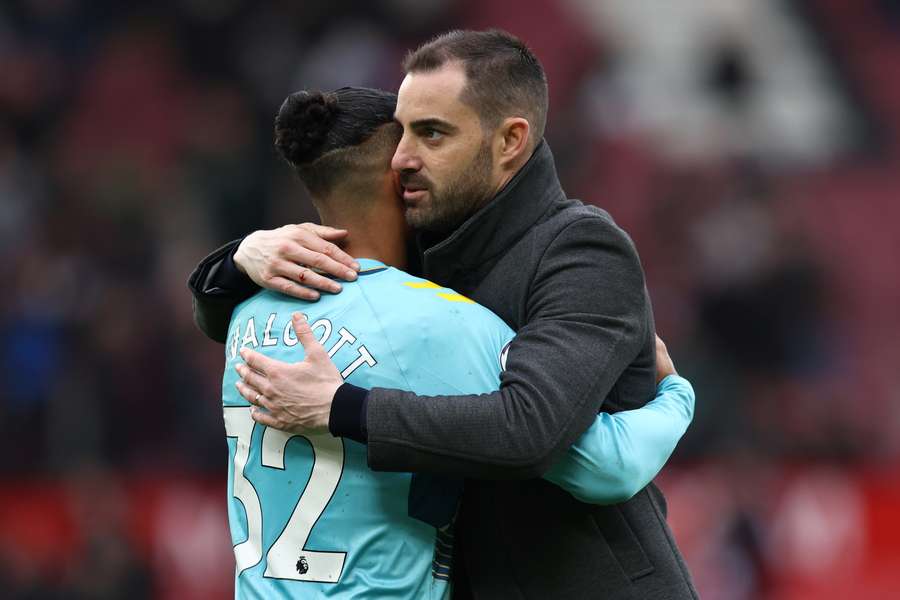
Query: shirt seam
387,339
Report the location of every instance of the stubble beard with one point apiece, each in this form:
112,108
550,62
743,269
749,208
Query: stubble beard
448,208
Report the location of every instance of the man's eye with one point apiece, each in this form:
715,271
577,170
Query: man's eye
432,134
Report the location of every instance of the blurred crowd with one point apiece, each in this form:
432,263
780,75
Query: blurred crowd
748,147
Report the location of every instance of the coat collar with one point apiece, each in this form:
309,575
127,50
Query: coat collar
500,223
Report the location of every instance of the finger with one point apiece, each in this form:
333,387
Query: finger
292,288
247,393
262,401
264,418
265,403
258,362
326,233
311,345
251,378
306,276
662,353
309,239
255,398
325,257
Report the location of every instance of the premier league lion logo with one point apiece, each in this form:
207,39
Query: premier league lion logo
302,565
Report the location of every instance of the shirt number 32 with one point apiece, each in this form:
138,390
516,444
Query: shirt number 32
287,558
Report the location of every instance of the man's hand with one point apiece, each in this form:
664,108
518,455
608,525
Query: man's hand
664,364
295,397
283,259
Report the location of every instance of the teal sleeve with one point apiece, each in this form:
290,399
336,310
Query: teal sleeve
621,453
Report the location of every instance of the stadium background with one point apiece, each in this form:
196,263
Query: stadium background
749,147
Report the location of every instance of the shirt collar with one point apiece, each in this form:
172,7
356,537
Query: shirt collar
367,265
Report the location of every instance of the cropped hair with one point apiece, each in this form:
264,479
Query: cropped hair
503,76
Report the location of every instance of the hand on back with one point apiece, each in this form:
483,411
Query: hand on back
294,397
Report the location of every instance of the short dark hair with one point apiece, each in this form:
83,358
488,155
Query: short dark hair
321,134
504,77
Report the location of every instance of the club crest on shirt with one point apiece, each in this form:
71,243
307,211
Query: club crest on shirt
504,354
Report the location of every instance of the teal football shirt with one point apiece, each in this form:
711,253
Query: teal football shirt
308,517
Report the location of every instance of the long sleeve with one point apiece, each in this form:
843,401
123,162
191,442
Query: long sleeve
588,317
217,286
621,453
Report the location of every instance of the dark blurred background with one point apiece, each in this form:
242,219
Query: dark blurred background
748,146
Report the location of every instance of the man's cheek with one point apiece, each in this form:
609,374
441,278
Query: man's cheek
395,178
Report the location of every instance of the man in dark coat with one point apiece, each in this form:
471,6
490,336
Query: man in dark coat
480,187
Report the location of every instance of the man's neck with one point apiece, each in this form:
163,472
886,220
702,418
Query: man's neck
511,171
378,235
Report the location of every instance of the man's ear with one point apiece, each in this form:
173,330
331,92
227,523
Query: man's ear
512,142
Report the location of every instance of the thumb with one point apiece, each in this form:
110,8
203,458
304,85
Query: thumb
325,232
311,345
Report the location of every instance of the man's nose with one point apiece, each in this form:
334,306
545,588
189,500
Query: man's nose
405,159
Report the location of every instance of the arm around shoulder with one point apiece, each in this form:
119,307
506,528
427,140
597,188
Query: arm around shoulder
621,453
587,315
217,287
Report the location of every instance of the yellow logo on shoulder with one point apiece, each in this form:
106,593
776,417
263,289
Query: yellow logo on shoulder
423,285
455,298
428,285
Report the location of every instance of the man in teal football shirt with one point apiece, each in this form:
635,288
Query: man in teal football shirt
308,518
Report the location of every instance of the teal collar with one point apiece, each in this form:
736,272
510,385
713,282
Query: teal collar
368,266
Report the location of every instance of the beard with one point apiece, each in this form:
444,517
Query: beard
448,207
